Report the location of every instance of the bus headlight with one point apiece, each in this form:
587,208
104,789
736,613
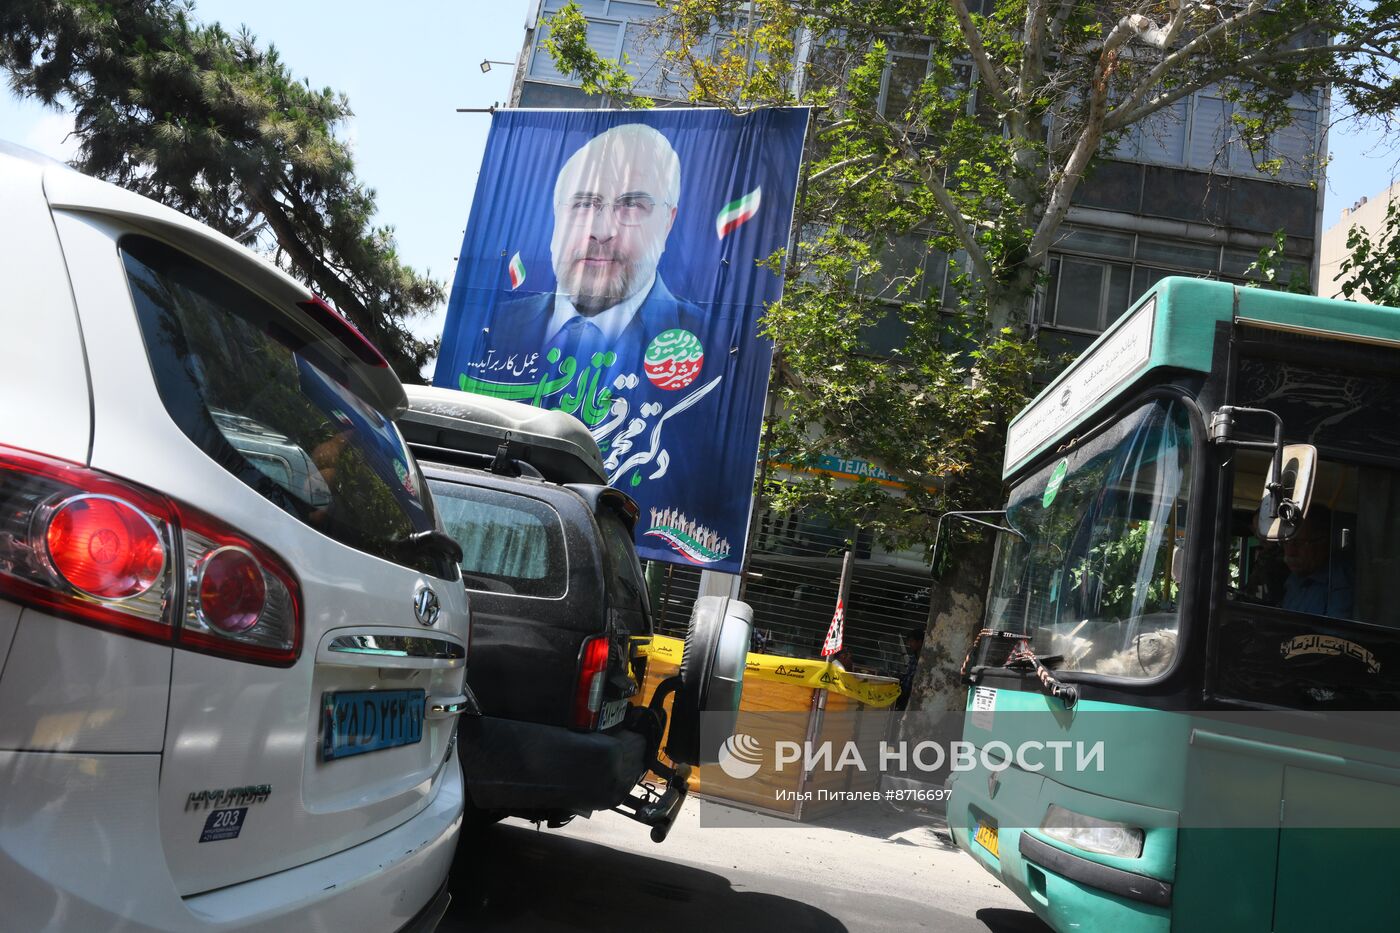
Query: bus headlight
1092,834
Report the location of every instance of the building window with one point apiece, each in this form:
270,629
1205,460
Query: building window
1199,132
1179,255
1095,275
1088,294
904,75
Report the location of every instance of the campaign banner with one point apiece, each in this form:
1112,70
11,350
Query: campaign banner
611,270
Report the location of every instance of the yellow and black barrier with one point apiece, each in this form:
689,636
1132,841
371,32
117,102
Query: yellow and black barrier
801,672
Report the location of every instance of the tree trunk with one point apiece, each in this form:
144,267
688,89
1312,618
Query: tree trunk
1011,304
955,617
938,698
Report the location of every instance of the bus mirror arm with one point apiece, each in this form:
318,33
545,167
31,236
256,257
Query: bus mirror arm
974,518
1222,432
1288,487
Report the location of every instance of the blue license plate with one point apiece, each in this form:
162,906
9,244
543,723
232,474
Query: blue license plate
354,722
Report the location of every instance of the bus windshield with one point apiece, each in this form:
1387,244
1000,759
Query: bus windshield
1095,576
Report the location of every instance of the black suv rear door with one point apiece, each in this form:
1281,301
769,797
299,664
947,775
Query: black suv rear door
531,560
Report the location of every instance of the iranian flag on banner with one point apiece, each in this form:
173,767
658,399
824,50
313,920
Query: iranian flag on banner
835,635
737,213
517,272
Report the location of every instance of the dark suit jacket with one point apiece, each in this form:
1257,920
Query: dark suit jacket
519,327
518,332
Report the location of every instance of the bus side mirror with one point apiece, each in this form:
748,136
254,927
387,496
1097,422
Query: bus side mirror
1287,492
940,550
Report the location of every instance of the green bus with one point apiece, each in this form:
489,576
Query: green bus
1196,599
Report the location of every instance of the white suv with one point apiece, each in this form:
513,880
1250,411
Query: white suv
232,635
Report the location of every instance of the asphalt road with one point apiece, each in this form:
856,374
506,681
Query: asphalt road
868,872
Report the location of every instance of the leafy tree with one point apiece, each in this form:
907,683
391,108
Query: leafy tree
1372,263
989,146
977,156
1268,270
216,126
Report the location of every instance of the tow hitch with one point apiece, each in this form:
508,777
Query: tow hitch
657,808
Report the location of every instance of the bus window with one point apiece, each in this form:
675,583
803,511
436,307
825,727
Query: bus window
1096,580
1345,558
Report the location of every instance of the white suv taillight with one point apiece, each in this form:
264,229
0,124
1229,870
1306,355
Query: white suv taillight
240,600
104,547
85,546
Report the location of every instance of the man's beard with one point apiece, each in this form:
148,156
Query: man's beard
594,289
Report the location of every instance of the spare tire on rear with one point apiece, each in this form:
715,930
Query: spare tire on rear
712,680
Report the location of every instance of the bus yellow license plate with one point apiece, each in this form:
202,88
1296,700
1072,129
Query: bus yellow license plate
987,837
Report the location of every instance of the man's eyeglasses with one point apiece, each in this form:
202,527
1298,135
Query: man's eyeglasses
630,210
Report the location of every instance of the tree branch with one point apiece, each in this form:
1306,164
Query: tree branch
838,125
929,176
1118,118
845,163
979,56
1184,53
855,185
1032,61
1277,55
1087,146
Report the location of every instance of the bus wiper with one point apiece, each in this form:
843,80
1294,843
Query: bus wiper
1023,657
1020,657
434,541
974,518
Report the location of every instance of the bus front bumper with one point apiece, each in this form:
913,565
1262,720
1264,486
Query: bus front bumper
996,822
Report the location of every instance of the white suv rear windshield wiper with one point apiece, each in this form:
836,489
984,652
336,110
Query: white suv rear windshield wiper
433,540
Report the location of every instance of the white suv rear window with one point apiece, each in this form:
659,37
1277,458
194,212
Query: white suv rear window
274,410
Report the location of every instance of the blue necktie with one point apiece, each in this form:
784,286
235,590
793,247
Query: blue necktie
580,338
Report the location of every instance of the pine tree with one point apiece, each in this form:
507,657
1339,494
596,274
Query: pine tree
216,126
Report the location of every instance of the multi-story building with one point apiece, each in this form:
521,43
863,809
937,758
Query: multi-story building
1369,215
1179,195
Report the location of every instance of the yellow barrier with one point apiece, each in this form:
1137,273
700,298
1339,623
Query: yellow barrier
817,675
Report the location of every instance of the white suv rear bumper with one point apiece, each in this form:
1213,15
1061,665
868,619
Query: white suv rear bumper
80,849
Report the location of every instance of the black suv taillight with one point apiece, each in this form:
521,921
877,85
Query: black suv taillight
88,547
592,677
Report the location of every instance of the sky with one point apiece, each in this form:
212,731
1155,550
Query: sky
407,74
1364,163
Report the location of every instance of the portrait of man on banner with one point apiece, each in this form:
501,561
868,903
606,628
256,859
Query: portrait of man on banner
610,270
615,201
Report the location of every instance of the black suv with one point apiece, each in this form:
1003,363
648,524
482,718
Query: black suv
560,616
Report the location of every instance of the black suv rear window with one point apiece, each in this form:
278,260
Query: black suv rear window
627,588
511,545
275,410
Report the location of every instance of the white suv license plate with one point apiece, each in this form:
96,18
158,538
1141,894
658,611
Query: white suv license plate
354,722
